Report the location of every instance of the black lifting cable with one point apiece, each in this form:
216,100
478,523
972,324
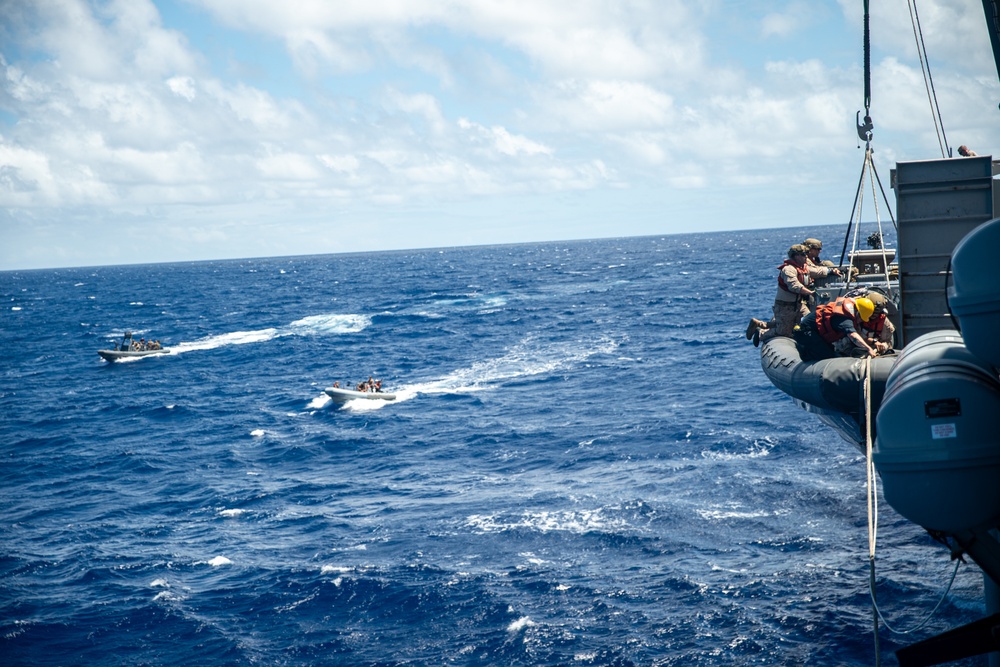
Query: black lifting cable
865,130
925,67
865,133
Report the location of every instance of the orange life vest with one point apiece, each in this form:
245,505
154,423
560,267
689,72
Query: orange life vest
802,271
875,325
826,312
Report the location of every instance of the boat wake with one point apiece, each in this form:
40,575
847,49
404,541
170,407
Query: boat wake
330,323
526,359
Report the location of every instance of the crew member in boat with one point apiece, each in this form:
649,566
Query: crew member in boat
369,385
824,267
791,302
965,151
879,331
836,329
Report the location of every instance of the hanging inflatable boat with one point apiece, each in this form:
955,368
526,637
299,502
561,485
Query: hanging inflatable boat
832,389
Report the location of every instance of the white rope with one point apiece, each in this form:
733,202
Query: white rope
872,501
869,463
857,216
872,497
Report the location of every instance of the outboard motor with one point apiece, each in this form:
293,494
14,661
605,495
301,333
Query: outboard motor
938,447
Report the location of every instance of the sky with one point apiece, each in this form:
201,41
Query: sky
140,131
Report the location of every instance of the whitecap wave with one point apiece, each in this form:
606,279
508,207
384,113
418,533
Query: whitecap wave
331,323
577,522
723,514
318,402
165,596
520,624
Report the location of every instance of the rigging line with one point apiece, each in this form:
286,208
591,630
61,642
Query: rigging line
854,206
925,69
855,243
871,491
866,387
886,200
930,614
930,77
878,221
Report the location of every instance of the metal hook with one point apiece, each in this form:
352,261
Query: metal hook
865,131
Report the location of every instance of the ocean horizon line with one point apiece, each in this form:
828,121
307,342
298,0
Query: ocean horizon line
355,253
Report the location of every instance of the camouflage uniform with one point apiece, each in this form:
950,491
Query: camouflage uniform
791,302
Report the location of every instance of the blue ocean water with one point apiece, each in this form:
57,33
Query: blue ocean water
585,465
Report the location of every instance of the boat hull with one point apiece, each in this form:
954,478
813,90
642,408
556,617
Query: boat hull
830,388
343,395
116,355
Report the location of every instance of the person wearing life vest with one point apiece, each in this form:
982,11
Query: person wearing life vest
791,302
836,329
879,330
824,271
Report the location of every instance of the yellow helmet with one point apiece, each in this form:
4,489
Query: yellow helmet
865,308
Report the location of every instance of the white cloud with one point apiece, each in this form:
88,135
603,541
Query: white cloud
498,139
789,20
422,105
407,102
346,164
182,86
601,38
599,105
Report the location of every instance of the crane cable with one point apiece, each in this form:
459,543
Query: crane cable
865,133
925,67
